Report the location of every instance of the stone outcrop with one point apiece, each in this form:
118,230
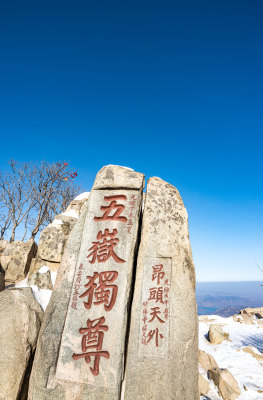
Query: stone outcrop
54,237
247,319
41,279
91,294
225,382
20,317
3,244
251,350
162,355
203,385
16,259
106,333
77,205
52,243
206,360
258,312
216,334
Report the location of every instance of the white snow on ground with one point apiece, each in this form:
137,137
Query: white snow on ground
82,196
42,296
71,213
245,368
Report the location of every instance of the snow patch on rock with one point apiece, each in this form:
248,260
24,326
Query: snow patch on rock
42,296
82,196
43,269
111,165
71,213
57,222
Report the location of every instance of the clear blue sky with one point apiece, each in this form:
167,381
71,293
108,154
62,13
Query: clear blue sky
170,88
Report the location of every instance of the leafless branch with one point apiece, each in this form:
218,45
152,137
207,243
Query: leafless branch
31,194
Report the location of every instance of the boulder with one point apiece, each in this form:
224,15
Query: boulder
244,318
16,259
41,279
3,244
206,360
216,334
54,237
77,205
255,354
203,385
225,382
38,263
257,311
61,370
162,353
20,317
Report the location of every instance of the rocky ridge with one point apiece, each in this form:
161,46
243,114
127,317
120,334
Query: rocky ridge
230,355
233,368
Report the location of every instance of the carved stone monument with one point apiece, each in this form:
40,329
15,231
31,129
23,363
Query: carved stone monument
86,348
81,347
162,349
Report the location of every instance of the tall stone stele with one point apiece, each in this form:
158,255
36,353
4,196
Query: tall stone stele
162,356
80,351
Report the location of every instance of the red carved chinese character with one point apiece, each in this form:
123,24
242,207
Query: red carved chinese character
156,311
112,206
166,289
91,286
156,294
104,292
157,273
151,334
102,251
92,339
143,340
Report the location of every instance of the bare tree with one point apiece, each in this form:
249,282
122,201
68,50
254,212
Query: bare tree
53,191
31,194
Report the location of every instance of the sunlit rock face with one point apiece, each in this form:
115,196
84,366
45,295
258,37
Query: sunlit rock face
162,355
16,259
99,255
20,317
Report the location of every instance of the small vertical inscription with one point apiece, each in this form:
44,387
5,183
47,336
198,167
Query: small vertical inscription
155,308
131,210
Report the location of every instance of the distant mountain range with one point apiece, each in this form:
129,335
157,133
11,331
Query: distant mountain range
223,305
